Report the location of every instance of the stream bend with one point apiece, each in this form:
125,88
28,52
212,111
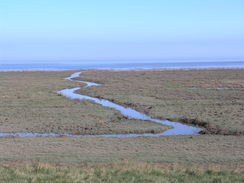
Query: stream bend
177,128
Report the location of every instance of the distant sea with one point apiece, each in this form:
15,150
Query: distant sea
137,65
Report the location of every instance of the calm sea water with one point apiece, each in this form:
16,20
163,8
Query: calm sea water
168,65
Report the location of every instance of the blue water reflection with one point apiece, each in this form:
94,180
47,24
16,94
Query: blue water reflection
177,128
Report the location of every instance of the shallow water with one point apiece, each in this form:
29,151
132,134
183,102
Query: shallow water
177,128
77,74
169,64
195,88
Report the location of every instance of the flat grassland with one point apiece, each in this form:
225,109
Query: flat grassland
29,103
212,98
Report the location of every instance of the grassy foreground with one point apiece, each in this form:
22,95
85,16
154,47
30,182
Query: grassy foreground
117,172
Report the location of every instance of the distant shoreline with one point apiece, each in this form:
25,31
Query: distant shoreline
127,69
123,66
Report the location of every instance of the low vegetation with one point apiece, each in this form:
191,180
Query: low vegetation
29,103
198,149
118,173
189,96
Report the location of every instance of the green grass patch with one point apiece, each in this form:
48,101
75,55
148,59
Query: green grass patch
116,173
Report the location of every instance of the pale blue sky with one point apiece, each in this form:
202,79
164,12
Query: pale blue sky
123,29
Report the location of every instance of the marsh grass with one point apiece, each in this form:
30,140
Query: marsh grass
167,94
29,102
120,172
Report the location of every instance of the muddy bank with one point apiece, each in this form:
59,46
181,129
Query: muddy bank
209,128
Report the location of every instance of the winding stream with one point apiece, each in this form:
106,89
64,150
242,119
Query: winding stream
177,128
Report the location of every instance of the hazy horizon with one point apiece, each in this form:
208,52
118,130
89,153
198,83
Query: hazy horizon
121,61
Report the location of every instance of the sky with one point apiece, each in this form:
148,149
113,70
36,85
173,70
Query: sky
82,30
